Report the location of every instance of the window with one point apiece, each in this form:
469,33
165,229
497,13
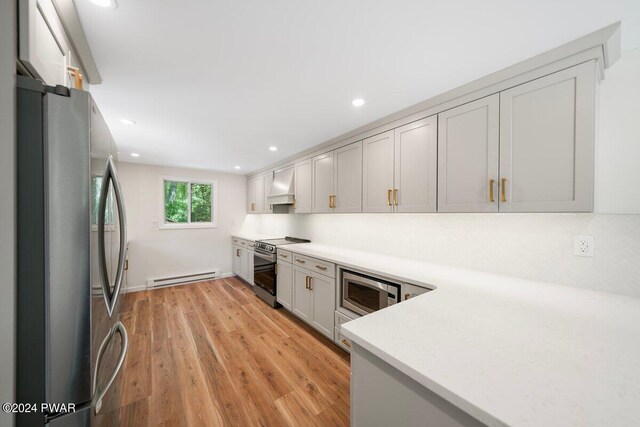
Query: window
189,203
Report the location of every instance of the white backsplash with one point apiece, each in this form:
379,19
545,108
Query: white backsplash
532,246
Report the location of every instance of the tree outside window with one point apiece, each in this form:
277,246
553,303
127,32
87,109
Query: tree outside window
187,202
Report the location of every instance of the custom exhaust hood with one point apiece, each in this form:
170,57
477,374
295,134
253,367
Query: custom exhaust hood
283,188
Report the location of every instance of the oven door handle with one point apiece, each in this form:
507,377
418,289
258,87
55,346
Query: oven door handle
270,258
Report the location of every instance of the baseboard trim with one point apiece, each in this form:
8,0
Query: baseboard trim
144,287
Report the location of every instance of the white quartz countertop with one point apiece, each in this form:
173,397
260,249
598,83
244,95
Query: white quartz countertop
508,351
254,236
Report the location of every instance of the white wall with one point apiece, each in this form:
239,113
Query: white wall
534,246
8,206
618,145
155,252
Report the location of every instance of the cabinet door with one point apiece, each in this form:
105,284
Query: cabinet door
284,289
323,291
347,178
43,45
547,142
268,181
244,264
302,306
259,194
251,196
322,167
416,166
303,188
236,260
377,184
250,266
468,157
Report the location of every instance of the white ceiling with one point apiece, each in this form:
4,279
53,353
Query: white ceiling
213,84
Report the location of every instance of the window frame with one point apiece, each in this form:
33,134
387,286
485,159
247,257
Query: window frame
214,202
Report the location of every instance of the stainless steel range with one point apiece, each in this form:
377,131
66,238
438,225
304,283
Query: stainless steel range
264,268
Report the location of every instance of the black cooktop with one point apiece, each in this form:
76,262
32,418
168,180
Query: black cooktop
286,241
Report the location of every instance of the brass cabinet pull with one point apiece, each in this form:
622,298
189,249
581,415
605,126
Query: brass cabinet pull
237,252
491,184
301,261
253,206
284,256
310,283
407,296
395,196
126,264
503,190
330,201
306,282
388,197
346,342
294,203
320,267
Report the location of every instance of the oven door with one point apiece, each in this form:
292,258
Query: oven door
363,295
264,271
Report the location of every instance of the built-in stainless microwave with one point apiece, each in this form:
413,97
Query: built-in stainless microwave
364,294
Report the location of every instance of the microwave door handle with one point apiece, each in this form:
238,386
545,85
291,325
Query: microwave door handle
123,353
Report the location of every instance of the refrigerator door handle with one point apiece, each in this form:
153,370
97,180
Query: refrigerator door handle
119,328
111,176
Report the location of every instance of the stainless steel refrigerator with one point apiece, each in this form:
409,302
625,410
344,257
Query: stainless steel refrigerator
71,260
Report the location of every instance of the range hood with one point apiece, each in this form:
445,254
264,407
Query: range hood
283,188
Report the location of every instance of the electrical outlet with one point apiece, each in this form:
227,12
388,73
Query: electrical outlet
583,246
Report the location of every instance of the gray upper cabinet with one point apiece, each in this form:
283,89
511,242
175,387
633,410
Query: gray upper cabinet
268,181
322,183
415,169
377,170
303,187
255,195
347,178
547,143
43,45
468,157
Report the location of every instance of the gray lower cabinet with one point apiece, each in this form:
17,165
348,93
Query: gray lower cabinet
302,299
323,291
235,262
547,143
468,157
383,396
242,261
285,284
314,299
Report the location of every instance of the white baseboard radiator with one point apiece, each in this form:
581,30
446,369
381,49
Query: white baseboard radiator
187,278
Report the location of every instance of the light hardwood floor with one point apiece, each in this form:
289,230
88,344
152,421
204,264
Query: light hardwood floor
212,353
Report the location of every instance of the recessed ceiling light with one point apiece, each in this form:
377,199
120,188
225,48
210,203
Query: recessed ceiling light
236,167
272,148
135,155
128,122
107,4
358,102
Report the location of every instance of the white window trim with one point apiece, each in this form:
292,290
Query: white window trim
214,201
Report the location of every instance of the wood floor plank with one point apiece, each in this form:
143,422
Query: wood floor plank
212,353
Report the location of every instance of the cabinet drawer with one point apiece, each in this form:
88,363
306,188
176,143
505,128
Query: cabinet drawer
342,341
285,256
340,319
313,264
